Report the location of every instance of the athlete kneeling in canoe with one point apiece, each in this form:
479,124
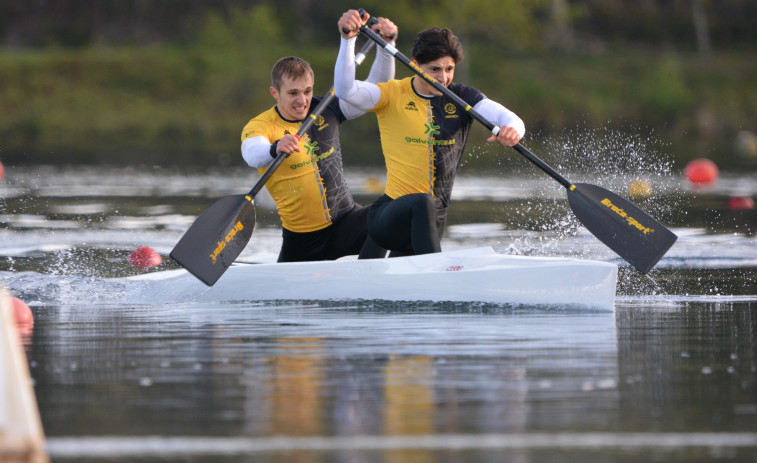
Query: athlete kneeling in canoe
423,135
320,218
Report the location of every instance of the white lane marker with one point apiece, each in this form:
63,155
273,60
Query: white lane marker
117,446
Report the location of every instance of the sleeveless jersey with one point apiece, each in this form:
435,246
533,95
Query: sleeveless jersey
422,138
309,186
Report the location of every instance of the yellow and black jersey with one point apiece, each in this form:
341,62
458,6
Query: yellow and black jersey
423,138
309,186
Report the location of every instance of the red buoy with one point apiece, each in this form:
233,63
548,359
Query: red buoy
701,171
2,171
22,312
144,257
740,202
24,319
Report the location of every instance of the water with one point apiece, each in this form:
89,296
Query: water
670,375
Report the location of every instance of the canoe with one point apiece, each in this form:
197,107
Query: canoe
21,436
468,275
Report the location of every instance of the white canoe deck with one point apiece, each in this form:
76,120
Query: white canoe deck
469,275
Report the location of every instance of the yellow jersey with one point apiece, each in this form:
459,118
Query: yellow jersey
422,138
308,187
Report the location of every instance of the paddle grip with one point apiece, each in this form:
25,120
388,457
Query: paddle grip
370,23
361,12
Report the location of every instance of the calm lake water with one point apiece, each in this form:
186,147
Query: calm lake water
669,375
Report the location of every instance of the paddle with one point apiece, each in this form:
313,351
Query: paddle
632,233
221,232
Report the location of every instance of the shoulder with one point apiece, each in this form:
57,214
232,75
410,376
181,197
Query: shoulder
331,110
260,124
394,85
469,94
269,116
393,89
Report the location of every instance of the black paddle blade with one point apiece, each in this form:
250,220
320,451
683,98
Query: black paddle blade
216,238
623,227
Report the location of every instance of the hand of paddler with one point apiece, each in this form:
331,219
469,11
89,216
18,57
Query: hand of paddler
350,22
288,144
507,136
386,29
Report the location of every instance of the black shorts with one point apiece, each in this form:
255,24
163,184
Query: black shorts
343,238
408,225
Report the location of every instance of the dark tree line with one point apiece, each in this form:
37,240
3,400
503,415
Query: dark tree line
686,23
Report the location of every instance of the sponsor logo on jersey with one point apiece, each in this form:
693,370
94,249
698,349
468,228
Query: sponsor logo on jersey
431,129
429,141
320,123
451,110
313,157
411,106
311,147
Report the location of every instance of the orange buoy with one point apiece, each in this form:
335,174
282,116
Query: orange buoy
740,202
22,312
640,188
144,257
701,171
2,171
746,144
373,185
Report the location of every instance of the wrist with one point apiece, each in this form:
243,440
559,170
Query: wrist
273,152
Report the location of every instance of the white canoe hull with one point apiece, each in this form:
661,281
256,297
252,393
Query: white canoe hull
470,275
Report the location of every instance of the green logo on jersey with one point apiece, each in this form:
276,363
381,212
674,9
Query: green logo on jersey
431,129
311,146
430,141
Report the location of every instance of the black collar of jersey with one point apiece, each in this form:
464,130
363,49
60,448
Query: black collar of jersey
425,97
284,118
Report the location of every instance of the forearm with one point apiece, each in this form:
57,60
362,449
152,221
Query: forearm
383,67
356,93
256,152
500,116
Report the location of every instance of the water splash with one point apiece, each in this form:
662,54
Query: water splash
602,156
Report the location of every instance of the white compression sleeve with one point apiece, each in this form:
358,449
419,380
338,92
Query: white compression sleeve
256,152
500,115
382,70
362,95
383,66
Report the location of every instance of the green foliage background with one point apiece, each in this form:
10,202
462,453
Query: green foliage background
182,98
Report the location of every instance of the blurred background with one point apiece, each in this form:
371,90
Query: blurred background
172,82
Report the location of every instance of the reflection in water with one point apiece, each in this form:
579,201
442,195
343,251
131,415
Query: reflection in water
408,396
323,370
408,403
296,380
693,368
